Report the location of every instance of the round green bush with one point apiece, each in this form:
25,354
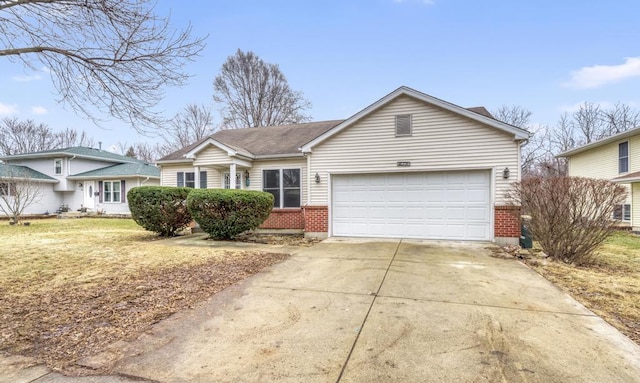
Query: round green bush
161,209
223,214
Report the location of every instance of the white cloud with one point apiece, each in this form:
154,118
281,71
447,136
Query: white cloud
39,110
598,75
6,109
26,78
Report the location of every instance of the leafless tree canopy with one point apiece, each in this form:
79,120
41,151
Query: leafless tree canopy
254,93
192,124
105,56
590,122
17,192
570,216
26,136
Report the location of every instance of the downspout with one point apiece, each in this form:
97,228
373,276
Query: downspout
147,179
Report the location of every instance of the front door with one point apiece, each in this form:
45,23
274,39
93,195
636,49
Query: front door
89,194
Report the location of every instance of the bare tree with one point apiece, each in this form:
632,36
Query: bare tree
24,136
147,152
515,115
254,93
104,56
71,137
18,190
588,121
27,136
192,124
620,118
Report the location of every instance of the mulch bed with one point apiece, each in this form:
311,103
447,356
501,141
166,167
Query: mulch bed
61,326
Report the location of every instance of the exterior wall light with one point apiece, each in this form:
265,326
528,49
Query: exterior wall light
505,173
317,178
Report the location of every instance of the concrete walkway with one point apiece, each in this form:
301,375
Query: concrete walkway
383,311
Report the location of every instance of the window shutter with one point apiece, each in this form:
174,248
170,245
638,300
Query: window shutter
403,125
100,191
123,195
180,176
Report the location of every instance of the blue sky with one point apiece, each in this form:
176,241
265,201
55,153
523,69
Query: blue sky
547,56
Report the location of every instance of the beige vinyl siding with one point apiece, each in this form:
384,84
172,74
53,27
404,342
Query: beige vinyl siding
441,140
211,155
255,173
602,162
169,173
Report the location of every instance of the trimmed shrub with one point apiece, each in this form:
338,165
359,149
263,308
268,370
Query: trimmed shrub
161,209
570,216
225,213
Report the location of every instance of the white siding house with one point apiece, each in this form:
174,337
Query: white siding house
409,165
81,178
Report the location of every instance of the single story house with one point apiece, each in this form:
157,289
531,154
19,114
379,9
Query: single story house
75,178
409,165
615,158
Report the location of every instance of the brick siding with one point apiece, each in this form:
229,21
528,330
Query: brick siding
316,219
284,219
507,221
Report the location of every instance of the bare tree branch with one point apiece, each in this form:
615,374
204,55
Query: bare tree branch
27,136
104,56
17,191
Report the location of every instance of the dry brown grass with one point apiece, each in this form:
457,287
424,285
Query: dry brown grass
610,286
68,288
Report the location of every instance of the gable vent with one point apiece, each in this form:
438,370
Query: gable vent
403,125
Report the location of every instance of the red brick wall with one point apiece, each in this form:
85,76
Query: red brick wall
316,219
507,221
284,219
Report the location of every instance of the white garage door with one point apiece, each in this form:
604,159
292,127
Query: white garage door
436,205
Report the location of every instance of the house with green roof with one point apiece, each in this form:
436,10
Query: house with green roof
77,177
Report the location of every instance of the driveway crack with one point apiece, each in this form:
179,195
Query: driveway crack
366,317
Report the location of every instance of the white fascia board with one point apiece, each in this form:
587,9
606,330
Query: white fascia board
519,134
230,151
603,141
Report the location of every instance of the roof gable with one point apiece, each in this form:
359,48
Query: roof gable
474,114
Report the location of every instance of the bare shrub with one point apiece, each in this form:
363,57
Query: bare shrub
570,216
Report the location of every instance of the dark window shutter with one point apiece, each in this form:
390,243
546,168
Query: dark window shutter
123,194
100,191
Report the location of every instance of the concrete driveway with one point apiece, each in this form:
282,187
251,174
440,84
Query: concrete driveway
381,311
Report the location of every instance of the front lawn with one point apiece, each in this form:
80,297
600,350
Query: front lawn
70,287
610,287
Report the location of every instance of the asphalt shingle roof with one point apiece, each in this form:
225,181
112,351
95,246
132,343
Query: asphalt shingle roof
122,170
17,171
79,151
264,141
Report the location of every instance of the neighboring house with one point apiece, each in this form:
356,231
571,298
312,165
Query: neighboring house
615,158
77,177
407,166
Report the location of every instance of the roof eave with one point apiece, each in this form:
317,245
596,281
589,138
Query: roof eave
108,176
600,142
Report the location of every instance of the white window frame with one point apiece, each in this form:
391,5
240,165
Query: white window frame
184,179
281,186
111,192
55,166
625,158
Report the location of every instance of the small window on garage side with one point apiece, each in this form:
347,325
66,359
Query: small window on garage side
622,212
403,125
623,157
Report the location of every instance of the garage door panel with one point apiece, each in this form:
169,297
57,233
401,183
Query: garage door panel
438,205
